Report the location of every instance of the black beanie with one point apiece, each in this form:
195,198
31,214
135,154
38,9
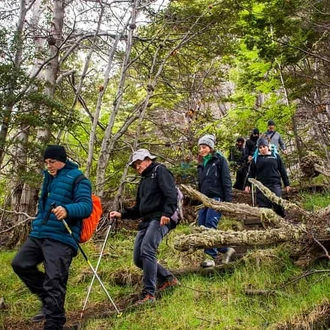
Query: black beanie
55,152
255,131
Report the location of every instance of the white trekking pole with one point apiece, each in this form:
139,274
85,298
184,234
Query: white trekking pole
252,193
112,221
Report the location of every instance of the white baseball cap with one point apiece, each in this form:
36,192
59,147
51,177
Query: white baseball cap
141,154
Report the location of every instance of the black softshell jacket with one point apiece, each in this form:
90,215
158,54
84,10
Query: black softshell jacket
269,170
214,178
156,195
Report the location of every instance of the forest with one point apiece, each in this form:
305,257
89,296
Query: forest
104,78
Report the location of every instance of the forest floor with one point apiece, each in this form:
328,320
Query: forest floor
125,303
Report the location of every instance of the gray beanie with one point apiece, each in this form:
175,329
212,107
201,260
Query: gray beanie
208,140
262,142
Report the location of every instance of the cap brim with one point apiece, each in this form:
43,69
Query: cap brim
140,158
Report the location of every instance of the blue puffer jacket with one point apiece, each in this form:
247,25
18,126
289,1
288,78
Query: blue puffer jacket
76,200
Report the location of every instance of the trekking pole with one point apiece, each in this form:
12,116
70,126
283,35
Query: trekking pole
53,205
252,193
112,221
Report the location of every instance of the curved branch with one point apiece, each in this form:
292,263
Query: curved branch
278,200
267,216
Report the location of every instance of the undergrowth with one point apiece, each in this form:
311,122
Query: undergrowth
216,301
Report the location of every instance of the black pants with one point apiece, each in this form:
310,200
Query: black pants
49,286
240,178
263,201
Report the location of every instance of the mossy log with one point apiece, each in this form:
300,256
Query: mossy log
302,232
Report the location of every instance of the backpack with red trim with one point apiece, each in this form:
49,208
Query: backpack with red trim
89,224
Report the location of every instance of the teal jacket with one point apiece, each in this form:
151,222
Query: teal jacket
76,200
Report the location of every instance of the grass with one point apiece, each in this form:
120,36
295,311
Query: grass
218,301
315,201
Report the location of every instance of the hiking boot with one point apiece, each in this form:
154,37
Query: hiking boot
145,298
207,263
169,283
40,316
230,252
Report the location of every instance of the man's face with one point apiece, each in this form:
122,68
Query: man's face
271,128
204,150
141,165
53,165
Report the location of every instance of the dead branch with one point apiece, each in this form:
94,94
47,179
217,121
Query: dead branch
267,216
278,200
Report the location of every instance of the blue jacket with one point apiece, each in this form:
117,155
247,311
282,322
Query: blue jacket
76,200
214,178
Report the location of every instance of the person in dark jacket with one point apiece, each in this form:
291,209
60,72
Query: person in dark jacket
237,161
214,182
49,242
251,145
269,169
156,202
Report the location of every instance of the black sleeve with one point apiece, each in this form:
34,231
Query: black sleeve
252,172
282,170
225,180
167,186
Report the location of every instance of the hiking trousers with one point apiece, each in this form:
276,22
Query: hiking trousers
263,201
144,256
49,286
210,218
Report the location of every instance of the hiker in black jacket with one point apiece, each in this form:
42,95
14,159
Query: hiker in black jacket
156,202
237,162
214,182
269,169
251,145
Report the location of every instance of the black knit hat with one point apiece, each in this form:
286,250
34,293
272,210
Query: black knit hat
255,131
55,152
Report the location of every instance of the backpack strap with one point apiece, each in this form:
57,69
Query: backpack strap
269,138
77,180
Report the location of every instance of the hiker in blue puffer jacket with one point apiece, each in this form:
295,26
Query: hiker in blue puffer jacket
213,181
49,242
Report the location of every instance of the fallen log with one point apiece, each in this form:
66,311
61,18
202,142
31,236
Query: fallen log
216,238
304,233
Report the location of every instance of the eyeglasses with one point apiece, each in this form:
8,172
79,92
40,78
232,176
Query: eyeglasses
50,162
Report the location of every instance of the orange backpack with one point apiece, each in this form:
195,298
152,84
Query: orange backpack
89,224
